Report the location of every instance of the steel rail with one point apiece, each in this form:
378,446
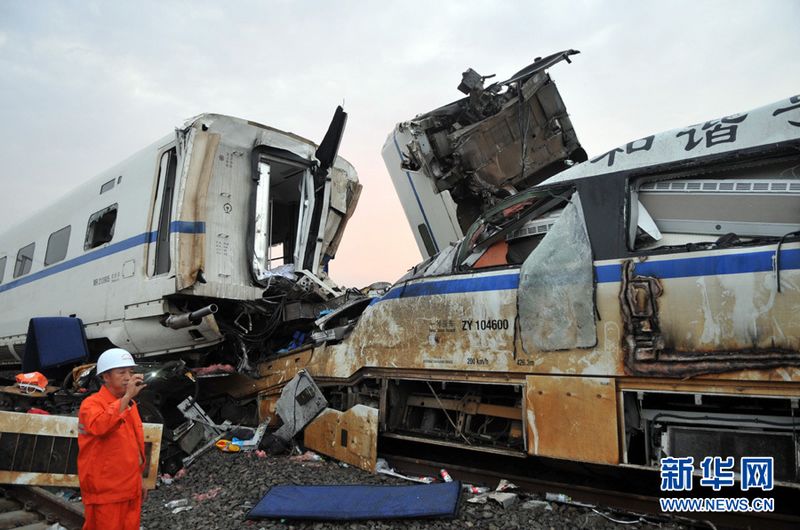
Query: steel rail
581,490
53,508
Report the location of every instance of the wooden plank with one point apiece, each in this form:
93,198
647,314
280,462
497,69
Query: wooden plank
350,436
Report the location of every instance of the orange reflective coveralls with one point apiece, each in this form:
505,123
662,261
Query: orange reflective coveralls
110,462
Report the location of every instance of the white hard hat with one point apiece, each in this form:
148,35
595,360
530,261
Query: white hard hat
114,358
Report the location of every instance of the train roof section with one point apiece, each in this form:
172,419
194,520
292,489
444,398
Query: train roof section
770,125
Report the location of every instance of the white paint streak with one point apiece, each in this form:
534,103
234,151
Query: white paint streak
712,330
534,431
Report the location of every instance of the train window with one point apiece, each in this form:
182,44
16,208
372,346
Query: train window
510,231
426,239
24,260
101,227
107,186
2,267
726,207
57,246
167,169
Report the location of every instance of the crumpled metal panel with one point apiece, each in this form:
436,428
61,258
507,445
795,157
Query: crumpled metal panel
300,402
492,150
556,288
350,436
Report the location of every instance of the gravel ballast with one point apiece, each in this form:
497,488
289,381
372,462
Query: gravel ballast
221,488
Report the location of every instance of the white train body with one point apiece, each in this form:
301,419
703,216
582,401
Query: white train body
184,223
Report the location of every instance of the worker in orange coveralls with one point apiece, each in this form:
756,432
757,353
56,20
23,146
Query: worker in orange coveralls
111,447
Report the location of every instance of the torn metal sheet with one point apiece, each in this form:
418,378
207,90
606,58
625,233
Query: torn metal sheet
556,287
252,443
192,247
350,436
192,411
300,402
41,450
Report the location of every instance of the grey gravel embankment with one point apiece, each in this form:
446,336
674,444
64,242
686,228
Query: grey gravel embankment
222,487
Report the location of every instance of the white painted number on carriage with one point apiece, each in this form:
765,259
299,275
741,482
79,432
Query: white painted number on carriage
484,325
477,361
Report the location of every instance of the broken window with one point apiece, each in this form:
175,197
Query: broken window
278,220
3,267
101,227
57,245
275,256
24,260
510,231
556,287
724,206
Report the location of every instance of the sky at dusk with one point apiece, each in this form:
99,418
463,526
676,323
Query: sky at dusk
85,84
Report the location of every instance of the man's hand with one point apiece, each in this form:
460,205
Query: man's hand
135,385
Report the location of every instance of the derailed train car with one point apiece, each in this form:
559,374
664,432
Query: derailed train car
196,252
637,305
185,244
613,310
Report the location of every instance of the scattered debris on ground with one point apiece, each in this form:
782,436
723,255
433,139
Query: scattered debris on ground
223,487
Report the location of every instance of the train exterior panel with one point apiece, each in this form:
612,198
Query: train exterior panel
609,315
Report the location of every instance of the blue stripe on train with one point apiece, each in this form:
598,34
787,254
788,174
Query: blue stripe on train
177,227
677,268
458,285
705,266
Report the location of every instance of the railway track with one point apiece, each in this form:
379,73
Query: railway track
34,508
629,490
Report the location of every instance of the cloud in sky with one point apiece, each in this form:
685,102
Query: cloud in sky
84,85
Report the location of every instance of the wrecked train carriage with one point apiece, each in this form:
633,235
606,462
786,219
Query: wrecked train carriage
451,164
641,304
191,252
205,220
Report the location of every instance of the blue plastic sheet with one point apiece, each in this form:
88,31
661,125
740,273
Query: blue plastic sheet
352,502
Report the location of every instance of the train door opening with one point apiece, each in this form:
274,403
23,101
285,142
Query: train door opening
284,202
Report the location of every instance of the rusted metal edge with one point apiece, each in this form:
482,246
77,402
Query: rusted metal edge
707,385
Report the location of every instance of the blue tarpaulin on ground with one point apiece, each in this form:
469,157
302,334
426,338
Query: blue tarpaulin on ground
54,341
349,502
